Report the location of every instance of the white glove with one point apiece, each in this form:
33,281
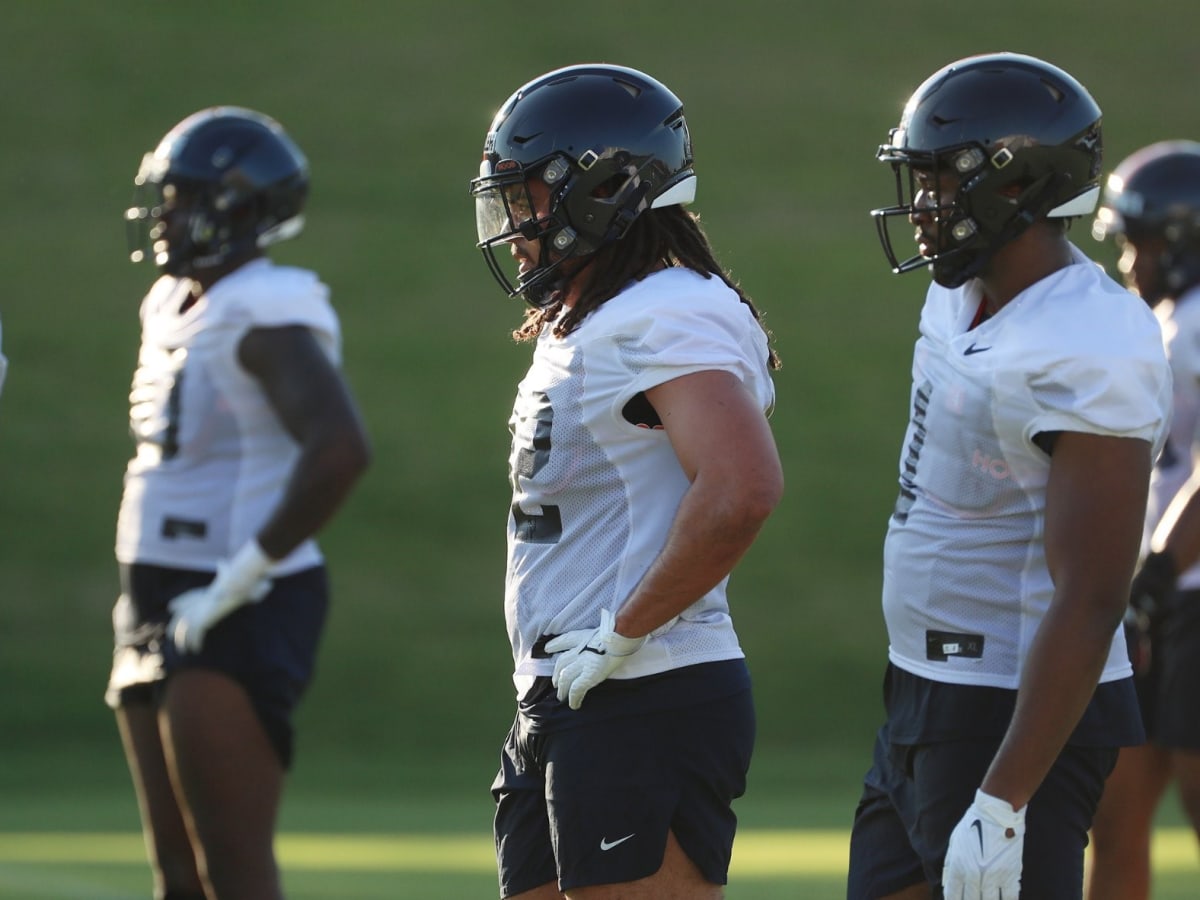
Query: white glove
983,859
588,657
241,580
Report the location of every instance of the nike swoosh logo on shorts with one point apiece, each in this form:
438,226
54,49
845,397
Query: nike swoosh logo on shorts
973,349
606,844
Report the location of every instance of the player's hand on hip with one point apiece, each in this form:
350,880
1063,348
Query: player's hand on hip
983,860
588,657
239,581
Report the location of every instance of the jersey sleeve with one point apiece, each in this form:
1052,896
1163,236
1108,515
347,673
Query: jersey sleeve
277,297
1121,397
688,334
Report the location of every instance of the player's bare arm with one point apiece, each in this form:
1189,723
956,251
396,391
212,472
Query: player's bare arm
311,399
1095,503
726,449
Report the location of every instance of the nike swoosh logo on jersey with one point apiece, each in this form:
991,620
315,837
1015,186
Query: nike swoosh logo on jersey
608,845
974,349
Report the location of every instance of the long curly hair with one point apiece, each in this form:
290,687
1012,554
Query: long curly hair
659,238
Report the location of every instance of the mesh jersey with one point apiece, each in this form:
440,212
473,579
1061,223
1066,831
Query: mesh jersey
593,494
212,456
966,583
1181,333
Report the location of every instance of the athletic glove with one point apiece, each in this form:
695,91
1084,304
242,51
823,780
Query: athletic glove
983,860
586,658
239,581
1148,596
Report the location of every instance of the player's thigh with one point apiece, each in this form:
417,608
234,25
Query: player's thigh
1177,726
168,844
137,723
677,879
222,759
1131,793
1185,765
548,891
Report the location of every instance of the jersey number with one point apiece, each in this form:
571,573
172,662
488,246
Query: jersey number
908,474
154,401
529,459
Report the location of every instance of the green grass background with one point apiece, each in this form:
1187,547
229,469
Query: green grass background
786,102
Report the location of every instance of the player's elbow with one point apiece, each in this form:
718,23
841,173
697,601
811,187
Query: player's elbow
342,458
756,497
353,456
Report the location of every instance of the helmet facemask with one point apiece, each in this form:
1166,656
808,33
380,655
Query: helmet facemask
505,211
994,201
592,203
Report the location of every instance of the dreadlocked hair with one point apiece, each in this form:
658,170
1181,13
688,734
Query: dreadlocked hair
670,236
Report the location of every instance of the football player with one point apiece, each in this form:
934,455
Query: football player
247,441
1151,208
642,468
1040,396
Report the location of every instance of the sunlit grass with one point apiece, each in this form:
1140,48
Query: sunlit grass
758,853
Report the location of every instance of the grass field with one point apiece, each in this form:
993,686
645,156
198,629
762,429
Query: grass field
767,865
786,105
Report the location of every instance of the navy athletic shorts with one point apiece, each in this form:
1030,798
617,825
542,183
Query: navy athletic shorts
931,757
268,647
1171,717
588,796
915,795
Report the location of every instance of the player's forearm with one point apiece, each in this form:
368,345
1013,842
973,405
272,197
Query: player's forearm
1059,679
714,527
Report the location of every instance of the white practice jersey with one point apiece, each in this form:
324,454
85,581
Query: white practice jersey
1181,333
593,494
212,456
966,583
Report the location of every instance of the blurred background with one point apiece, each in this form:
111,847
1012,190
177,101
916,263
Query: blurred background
786,104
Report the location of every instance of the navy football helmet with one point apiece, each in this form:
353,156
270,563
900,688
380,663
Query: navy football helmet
608,142
1156,193
1022,139
236,181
